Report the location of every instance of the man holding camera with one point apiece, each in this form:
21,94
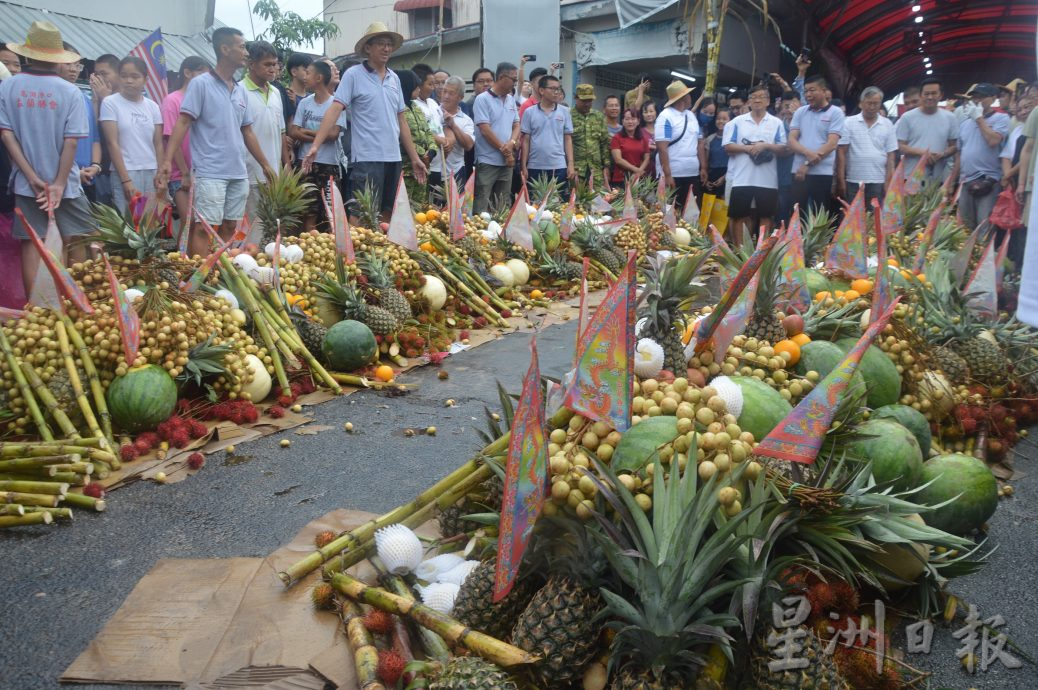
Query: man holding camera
753,142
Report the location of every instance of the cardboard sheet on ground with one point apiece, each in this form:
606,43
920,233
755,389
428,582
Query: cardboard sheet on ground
228,622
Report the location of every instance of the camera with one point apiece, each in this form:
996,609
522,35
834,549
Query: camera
530,58
557,65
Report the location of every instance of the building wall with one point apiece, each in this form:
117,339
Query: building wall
354,16
461,59
182,17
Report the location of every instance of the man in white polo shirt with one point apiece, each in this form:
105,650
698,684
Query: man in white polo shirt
372,93
814,135
753,142
680,145
866,153
268,122
215,108
548,138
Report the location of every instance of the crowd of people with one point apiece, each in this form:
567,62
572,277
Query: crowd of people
227,127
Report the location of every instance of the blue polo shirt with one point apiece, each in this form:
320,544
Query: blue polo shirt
501,114
219,112
547,132
85,146
374,106
815,127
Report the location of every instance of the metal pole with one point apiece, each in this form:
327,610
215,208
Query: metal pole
252,25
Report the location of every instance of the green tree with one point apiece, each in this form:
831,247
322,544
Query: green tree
288,29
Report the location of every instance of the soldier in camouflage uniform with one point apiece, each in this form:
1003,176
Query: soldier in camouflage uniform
590,137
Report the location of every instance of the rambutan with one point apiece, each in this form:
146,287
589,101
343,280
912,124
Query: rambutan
377,621
323,597
94,490
251,414
390,666
844,597
142,446
179,438
998,413
322,539
464,335
506,313
196,461
149,437
307,386
286,400
969,426
128,453
464,309
276,411
196,429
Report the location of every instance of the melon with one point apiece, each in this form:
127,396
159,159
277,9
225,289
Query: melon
823,356
759,407
141,398
434,292
905,562
349,345
682,237
641,441
880,374
967,483
520,270
503,274
892,450
816,281
259,387
910,418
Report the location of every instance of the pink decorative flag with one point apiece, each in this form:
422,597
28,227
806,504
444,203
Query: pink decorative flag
881,287
568,213
691,213
185,223
793,268
604,375
928,235
61,284
718,239
847,253
799,436
276,260
517,229
734,322
981,290
202,272
582,313
241,232
630,210
704,334
401,224
470,194
894,202
961,261
526,480
1000,260
6,313
661,192
129,322
457,211
336,210
214,238
914,183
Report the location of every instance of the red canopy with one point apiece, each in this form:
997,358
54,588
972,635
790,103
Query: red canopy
967,41
410,5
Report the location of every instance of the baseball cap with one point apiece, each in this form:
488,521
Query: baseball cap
584,92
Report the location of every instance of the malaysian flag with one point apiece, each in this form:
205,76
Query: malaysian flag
154,55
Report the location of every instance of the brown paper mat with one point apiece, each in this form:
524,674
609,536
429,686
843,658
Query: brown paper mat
228,623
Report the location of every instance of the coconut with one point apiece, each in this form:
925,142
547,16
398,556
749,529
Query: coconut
493,230
132,294
293,253
434,292
399,549
259,387
503,274
228,297
520,270
485,215
648,358
245,263
271,246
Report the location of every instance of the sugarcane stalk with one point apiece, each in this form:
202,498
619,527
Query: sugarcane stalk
365,655
96,389
455,632
101,470
32,450
81,501
24,389
475,277
76,467
77,384
22,520
434,645
257,318
20,464
47,398
63,513
598,266
26,466
57,477
295,343
50,488
475,302
30,499
12,509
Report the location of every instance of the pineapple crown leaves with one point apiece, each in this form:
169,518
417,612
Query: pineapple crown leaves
120,238
367,199
203,361
286,198
671,287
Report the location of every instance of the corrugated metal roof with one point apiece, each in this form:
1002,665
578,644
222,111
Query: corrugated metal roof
93,38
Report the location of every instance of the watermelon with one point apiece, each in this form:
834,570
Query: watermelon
892,450
968,483
141,398
349,345
816,281
823,356
762,406
910,418
638,443
880,374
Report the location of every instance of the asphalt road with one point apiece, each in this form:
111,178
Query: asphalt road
64,582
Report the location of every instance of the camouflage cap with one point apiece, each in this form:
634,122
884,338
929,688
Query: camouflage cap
584,92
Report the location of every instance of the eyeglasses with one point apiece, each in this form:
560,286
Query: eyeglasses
552,88
381,43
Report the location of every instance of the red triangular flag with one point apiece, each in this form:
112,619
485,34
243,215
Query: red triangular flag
129,322
336,211
402,230
568,213
470,194
894,202
185,223
881,287
241,232
847,254
45,292
691,212
630,210
914,183
704,333
1003,252
517,229
793,267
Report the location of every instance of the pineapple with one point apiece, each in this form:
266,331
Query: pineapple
311,332
596,245
817,229
380,284
369,204
556,267
765,323
560,623
474,604
821,672
283,203
957,368
472,673
352,305
669,291
205,361
145,244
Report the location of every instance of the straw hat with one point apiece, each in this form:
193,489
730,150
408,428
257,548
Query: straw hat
43,43
676,90
376,29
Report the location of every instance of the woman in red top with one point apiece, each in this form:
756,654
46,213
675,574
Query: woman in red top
630,148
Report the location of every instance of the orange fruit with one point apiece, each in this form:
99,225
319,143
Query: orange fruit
851,295
788,345
891,261
824,294
432,214
907,275
862,286
536,294
384,373
801,339
921,277
690,328
420,218
838,294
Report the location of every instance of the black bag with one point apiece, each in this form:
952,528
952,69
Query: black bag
981,186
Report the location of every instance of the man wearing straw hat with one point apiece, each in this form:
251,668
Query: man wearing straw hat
679,144
42,119
377,104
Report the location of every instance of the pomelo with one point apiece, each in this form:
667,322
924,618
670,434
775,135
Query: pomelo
349,345
637,445
880,374
141,398
964,477
910,418
892,450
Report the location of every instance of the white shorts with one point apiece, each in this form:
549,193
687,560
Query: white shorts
219,200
